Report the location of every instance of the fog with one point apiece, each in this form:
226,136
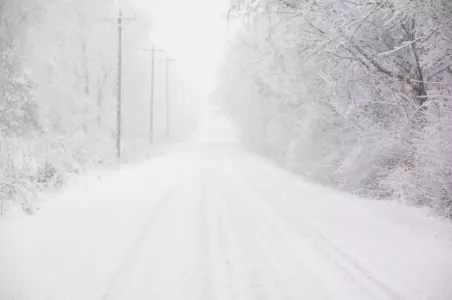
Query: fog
225,149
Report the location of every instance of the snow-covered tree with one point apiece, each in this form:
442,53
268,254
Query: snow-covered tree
346,92
58,84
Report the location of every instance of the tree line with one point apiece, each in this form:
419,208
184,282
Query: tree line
58,83
354,94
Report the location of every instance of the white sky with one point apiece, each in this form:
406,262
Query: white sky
194,33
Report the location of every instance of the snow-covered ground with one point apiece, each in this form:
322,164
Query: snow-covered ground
208,220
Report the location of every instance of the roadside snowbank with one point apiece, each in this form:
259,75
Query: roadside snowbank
94,221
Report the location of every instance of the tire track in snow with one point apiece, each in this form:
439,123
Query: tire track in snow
274,269
289,271
237,279
213,223
358,273
236,263
221,264
253,278
204,241
135,247
229,246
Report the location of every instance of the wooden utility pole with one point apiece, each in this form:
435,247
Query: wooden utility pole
151,120
119,19
119,92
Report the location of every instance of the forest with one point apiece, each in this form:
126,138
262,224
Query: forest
59,87
351,94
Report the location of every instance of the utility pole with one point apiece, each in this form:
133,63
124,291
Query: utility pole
151,120
119,19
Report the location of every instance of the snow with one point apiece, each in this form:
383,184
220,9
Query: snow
208,220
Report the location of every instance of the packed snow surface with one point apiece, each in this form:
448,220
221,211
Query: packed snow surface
209,220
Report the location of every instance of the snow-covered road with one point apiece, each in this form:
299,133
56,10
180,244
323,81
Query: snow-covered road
210,221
